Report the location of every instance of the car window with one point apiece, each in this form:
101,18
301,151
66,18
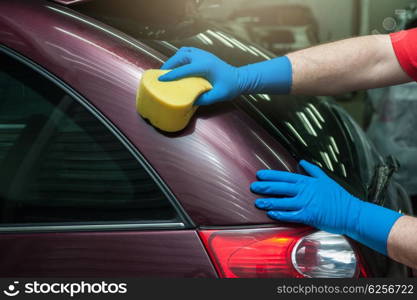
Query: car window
59,163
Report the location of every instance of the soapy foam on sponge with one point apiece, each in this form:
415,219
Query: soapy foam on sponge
169,105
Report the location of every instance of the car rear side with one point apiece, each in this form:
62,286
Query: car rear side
91,189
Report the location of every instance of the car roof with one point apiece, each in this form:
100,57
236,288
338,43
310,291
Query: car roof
208,167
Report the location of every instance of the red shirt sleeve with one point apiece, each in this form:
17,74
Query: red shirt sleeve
405,48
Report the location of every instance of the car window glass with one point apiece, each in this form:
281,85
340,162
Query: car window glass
59,163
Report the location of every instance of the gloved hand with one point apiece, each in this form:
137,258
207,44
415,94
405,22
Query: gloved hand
320,202
271,76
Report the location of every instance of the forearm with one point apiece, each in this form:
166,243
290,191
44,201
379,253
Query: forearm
344,66
402,241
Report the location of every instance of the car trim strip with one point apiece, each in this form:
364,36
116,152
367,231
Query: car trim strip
90,227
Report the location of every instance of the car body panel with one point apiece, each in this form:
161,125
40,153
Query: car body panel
282,111
210,155
311,128
105,254
316,129
210,164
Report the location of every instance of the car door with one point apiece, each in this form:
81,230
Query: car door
75,199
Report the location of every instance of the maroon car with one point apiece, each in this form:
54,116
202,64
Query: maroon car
89,188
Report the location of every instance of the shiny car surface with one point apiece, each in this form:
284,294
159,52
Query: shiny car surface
200,176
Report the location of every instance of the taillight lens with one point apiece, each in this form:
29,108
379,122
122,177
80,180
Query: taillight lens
325,255
279,253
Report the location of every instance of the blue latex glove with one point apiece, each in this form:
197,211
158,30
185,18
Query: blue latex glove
320,202
271,76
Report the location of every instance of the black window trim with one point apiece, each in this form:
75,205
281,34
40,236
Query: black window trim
185,221
79,226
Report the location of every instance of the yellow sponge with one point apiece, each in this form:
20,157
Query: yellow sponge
168,105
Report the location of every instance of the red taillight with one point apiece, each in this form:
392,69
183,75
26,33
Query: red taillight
294,252
253,253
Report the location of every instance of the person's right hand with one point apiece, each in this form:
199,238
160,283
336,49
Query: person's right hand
225,79
318,201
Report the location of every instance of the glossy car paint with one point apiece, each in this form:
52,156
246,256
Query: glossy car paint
316,129
105,66
68,2
310,128
217,155
210,165
105,254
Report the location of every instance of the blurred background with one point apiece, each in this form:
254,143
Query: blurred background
282,26
302,21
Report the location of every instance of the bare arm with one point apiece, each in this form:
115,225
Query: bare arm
402,241
345,66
